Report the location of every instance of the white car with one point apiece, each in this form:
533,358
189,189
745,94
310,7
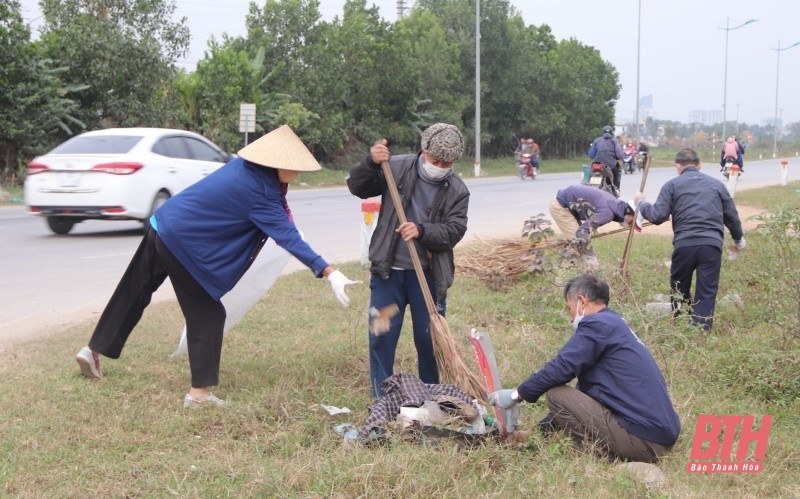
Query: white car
116,174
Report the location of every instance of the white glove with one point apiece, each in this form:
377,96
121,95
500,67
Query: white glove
740,244
507,400
504,399
339,283
639,221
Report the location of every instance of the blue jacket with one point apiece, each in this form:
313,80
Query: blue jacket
217,226
699,206
615,368
606,150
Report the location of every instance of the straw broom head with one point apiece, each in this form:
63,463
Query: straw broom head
452,366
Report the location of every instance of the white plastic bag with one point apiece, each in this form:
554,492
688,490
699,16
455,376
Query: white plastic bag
261,275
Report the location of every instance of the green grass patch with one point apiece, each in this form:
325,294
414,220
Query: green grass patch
10,195
773,196
128,435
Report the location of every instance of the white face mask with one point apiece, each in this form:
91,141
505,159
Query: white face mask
578,316
433,171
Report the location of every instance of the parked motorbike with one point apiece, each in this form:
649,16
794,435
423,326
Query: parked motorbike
603,178
641,160
526,168
627,163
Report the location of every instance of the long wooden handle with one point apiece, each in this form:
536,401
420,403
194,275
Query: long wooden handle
629,242
412,247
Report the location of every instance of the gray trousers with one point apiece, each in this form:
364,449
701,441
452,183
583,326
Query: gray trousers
593,426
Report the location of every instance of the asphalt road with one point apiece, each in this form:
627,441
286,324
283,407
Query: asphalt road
50,282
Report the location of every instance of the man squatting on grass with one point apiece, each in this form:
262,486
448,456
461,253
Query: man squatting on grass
435,201
620,406
204,239
700,207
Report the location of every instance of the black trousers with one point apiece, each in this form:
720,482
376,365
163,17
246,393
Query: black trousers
205,317
617,175
705,263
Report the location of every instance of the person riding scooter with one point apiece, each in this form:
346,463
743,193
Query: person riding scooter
732,149
525,167
630,151
606,150
644,153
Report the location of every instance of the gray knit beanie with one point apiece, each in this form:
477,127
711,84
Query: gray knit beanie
444,142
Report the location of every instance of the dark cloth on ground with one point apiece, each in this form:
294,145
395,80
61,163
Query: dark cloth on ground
407,390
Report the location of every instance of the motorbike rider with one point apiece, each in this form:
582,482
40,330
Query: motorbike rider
606,150
732,149
526,166
644,150
519,149
630,151
534,151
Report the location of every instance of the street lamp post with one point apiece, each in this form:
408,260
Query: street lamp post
638,59
777,79
477,170
728,29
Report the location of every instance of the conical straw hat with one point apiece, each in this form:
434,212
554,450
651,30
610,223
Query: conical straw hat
281,149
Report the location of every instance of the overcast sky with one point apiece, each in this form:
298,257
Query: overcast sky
682,48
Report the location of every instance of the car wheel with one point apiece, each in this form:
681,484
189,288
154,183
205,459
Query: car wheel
160,199
60,225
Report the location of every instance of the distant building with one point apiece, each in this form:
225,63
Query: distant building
646,109
707,117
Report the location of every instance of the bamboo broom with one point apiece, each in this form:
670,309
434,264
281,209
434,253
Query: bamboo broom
451,366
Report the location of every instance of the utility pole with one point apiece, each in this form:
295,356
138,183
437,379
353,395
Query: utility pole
728,29
775,127
638,60
401,9
477,169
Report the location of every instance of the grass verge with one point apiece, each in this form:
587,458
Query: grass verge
128,435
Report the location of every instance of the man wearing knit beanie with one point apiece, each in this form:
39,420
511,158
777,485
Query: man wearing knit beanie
436,203
444,142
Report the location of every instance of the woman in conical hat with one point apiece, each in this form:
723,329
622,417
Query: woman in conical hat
204,239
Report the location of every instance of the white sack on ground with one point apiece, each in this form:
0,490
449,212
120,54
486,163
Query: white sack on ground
251,287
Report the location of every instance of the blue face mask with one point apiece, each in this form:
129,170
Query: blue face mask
578,316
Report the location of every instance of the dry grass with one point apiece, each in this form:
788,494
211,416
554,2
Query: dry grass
128,435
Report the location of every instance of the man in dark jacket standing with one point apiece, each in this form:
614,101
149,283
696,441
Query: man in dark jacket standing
435,201
700,207
620,406
607,150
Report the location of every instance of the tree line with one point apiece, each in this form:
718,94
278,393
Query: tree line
340,83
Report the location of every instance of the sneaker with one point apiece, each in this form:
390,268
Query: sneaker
89,362
210,399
